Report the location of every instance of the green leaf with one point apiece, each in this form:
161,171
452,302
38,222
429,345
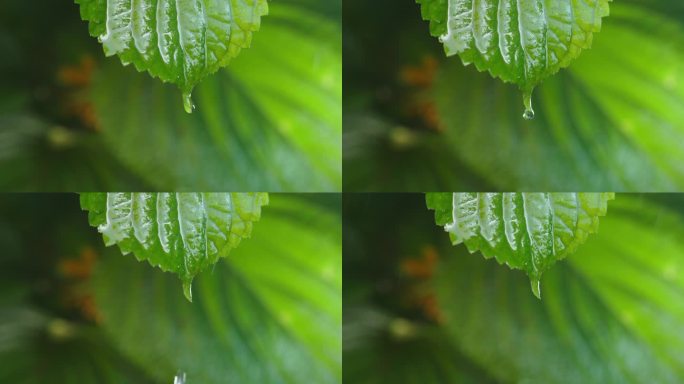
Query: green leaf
602,126
613,313
46,333
180,42
528,231
184,233
271,313
272,121
519,41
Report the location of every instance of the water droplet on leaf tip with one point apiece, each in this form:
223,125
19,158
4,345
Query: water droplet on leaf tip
536,287
527,101
180,378
187,102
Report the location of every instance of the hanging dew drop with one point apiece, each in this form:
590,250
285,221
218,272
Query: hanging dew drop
187,102
179,378
528,114
527,101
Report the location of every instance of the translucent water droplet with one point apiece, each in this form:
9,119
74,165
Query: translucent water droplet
187,290
527,101
536,287
180,378
187,102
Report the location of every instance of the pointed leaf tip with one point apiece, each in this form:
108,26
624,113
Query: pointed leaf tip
187,289
536,287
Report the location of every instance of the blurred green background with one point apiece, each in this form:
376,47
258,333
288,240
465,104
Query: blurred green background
419,310
417,121
73,311
73,120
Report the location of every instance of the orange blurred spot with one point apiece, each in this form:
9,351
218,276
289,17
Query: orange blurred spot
80,268
418,105
77,271
422,75
86,114
427,112
430,307
89,309
420,295
78,76
423,267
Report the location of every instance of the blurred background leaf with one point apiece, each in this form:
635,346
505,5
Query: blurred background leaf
48,323
73,311
381,348
270,313
271,121
391,323
613,121
37,156
46,124
611,312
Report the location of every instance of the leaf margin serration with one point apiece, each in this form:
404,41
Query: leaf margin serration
435,13
244,210
443,206
240,37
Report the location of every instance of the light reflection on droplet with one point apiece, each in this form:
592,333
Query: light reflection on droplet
528,114
187,102
180,378
527,101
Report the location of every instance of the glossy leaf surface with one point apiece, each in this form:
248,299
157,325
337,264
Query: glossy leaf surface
528,231
184,233
271,121
177,41
519,41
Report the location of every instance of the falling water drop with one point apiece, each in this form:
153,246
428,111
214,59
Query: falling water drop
187,290
528,115
180,378
187,102
527,100
536,287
